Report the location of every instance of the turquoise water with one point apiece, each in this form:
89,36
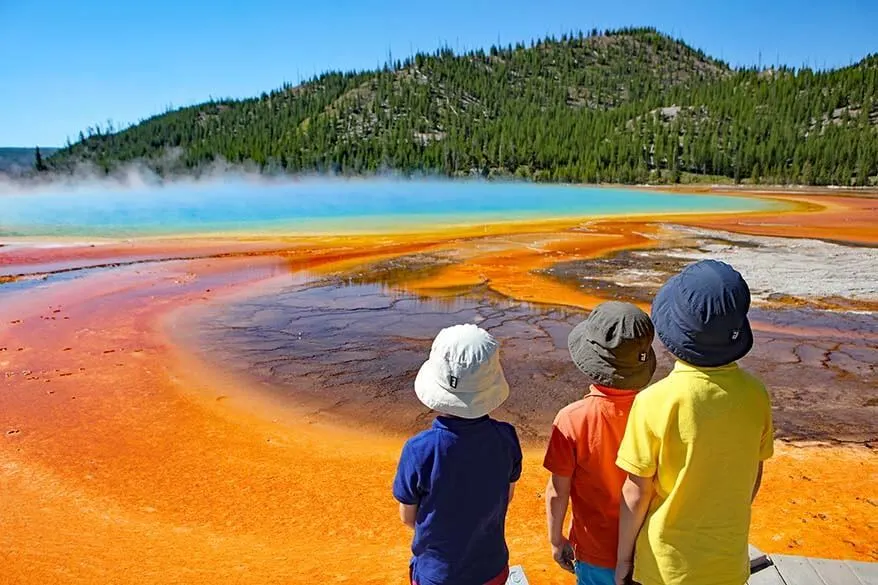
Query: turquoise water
321,206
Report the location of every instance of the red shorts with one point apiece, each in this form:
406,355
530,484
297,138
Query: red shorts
498,580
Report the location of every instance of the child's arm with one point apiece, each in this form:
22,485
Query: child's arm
557,499
406,485
636,495
408,514
758,481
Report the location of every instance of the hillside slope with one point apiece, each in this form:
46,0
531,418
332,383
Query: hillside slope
14,160
623,106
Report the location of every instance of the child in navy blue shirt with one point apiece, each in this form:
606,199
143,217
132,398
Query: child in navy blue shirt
455,480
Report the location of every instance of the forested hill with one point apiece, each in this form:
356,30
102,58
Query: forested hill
18,161
627,106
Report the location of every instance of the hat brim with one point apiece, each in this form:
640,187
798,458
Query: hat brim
435,395
670,326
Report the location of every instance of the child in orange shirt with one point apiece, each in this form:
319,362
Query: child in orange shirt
613,347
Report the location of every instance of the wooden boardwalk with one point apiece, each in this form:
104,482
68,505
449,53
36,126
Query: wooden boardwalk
789,570
516,576
784,570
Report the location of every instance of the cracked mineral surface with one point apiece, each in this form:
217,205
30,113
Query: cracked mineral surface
351,351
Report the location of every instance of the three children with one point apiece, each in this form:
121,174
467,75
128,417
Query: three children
669,471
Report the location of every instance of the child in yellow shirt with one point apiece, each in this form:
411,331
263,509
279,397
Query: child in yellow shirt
695,440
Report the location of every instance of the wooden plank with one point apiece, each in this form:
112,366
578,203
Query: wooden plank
835,572
866,572
516,576
767,576
797,571
758,559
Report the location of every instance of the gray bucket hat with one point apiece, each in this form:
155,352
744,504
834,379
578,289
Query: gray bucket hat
613,346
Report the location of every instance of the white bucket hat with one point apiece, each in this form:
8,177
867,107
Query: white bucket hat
463,376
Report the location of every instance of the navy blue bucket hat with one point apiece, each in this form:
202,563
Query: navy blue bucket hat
701,314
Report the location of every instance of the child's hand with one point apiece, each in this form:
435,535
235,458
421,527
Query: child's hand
624,569
563,555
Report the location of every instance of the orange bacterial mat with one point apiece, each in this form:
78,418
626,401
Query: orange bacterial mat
125,459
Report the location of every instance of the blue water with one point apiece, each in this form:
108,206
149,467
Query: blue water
321,206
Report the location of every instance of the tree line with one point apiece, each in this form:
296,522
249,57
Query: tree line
627,106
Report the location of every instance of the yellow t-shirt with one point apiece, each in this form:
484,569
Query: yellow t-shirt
701,433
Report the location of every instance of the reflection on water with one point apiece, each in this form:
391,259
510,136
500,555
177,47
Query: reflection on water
351,350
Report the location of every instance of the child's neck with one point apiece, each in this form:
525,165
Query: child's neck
451,416
610,390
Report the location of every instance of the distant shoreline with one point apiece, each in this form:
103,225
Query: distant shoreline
73,180
720,189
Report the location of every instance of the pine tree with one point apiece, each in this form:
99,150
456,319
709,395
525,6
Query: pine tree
39,164
756,174
807,174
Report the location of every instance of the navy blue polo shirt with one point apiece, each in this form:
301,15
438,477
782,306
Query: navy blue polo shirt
458,473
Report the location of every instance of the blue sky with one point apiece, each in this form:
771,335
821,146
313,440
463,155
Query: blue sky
65,65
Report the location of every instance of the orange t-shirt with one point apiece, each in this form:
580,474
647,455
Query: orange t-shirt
585,440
